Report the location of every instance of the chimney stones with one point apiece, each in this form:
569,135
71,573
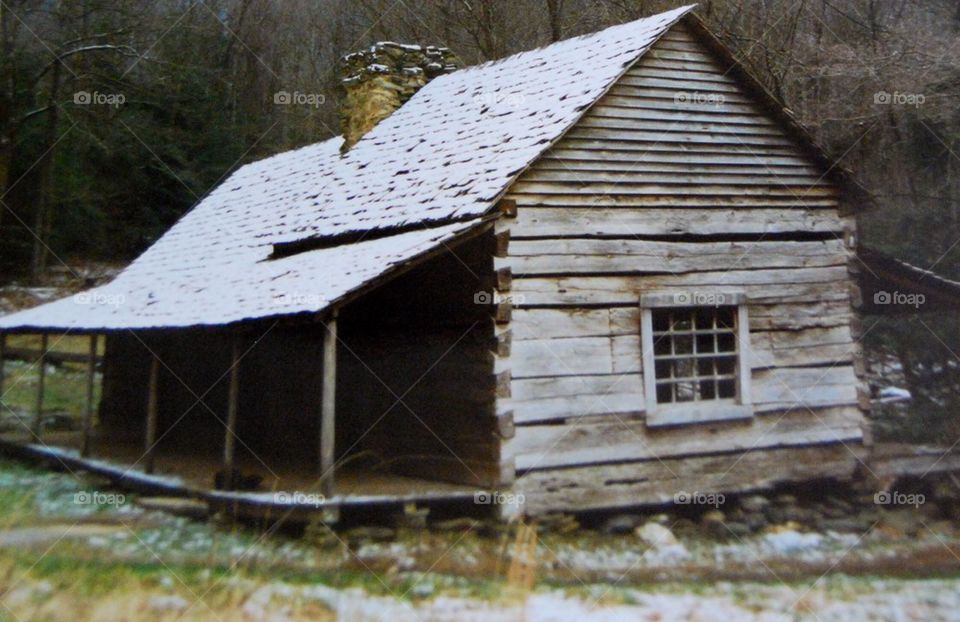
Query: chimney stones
382,78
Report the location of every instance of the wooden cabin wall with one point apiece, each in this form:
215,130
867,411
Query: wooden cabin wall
656,188
279,399
122,411
416,384
191,364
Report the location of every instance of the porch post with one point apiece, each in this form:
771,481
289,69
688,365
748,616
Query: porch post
229,446
328,406
41,379
151,435
91,380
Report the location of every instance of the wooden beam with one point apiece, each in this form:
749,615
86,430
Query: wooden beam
54,357
151,433
230,443
328,407
41,380
88,411
508,207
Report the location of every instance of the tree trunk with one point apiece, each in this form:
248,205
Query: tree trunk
43,218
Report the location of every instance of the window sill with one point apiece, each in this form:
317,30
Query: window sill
698,412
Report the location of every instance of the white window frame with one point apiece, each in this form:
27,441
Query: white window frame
676,413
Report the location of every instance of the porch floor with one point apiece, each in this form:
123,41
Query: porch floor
191,473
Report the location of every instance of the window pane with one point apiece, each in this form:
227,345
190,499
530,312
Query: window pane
726,318
703,316
686,391
683,344
705,344
727,389
695,353
726,342
661,321
662,345
726,365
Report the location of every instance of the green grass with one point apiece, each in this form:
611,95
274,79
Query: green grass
64,389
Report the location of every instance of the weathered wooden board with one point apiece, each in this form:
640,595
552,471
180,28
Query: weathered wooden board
658,481
804,388
569,160
760,286
548,323
814,346
706,115
643,125
606,256
562,397
689,77
891,460
680,137
557,398
650,60
638,175
586,441
574,357
593,197
586,220
531,389
588,149
820,314
667,81
706,96
554,323
669,53
798,191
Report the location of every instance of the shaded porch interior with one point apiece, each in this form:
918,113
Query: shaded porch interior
414,384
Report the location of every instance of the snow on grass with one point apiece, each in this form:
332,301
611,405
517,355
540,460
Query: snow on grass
582,577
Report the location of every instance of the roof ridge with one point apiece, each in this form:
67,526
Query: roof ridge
635,23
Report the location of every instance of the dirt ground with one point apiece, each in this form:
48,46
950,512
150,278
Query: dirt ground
71,546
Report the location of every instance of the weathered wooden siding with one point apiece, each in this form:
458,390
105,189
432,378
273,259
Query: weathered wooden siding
676,180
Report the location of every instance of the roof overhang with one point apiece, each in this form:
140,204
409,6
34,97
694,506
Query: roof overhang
890,286
303,287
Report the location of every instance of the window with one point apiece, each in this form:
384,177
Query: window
694,357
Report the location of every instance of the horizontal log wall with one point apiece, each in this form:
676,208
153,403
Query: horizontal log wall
676,180
660,481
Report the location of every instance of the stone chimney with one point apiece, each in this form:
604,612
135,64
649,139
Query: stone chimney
382,78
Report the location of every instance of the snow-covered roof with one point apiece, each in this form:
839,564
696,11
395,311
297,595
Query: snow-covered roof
454,148
441,161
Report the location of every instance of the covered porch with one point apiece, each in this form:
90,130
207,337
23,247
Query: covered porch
231,421
349,407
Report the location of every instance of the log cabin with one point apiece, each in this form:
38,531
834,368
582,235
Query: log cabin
608,272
